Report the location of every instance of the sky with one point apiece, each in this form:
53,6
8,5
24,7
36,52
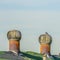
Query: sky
32,18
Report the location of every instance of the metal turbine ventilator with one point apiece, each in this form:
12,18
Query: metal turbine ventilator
14,37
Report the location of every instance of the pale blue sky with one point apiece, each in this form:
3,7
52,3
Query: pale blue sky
32,18
30,4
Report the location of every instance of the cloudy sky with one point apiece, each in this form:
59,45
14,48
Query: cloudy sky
32,18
